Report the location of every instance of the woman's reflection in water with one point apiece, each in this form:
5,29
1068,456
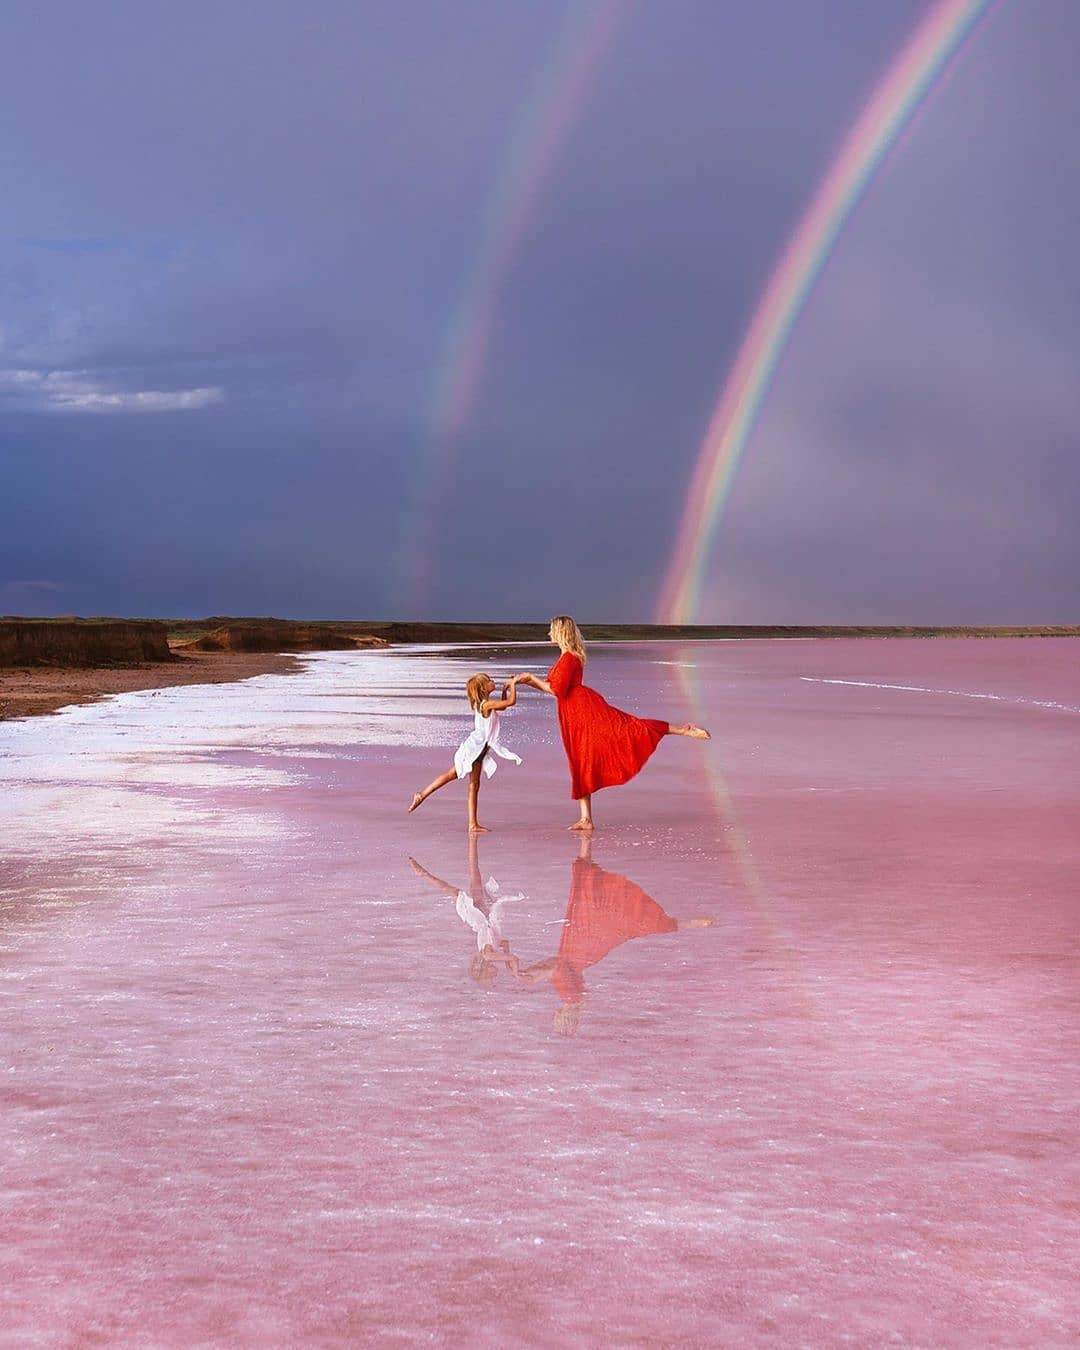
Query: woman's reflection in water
481,907
604,911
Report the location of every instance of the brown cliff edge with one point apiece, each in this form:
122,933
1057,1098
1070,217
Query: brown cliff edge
46,664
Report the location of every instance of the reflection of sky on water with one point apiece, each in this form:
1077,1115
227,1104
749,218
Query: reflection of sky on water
249,1082
604,910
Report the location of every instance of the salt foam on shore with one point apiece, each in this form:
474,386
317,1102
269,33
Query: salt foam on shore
137,764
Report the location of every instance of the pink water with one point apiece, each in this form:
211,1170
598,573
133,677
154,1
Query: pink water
252,1096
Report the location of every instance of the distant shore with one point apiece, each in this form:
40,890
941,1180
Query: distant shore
29,691
468,632
48,664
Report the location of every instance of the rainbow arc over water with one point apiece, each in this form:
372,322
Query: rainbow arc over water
547,115
890,108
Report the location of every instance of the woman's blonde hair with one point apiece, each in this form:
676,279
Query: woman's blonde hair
475,691
566,633
567,1019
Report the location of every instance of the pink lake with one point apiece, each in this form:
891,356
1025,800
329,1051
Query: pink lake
252,1095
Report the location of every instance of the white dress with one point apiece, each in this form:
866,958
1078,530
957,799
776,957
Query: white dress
486,926
484,735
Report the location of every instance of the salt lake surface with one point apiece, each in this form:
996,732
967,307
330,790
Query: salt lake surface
252,1093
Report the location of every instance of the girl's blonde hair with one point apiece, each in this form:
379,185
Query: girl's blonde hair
483,971
475,691
566,633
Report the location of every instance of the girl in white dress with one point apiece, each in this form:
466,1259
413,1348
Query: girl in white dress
477,751
481,907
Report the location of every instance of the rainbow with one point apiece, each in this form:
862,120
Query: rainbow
759,905
542,127
889,110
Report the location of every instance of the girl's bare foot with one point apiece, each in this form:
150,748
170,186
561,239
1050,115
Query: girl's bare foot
418,797
585,826
696,923
479,829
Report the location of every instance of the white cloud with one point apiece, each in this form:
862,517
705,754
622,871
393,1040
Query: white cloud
78,391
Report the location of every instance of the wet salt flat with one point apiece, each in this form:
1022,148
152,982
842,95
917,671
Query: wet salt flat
254,1094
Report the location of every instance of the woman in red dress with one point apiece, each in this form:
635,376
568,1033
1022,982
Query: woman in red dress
604,911
604,747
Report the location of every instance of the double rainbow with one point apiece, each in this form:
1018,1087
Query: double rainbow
889,110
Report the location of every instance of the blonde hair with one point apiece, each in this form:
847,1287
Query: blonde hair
482,970
566,634
475,692
567,1019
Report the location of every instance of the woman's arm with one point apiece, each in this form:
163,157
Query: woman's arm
536,681
538,973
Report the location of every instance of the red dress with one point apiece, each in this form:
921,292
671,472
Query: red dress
605,910
603,745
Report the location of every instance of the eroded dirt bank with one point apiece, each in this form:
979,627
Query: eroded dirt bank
81,642
29,691
47,664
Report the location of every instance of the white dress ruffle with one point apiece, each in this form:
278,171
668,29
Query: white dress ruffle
484,736
486,926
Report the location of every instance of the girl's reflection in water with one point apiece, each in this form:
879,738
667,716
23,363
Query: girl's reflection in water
604,911
482,908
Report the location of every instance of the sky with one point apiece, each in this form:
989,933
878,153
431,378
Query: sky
242,247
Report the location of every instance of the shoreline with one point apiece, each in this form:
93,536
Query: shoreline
34,691
472,632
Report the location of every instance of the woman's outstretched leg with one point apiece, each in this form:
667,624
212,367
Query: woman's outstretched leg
474,796
586,824
688,729
448,777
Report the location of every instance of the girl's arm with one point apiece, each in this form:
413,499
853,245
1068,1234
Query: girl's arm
508,958
508,699
536,681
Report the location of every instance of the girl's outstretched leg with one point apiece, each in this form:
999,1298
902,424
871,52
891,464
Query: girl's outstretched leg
586,823
689,729
474,797
448,777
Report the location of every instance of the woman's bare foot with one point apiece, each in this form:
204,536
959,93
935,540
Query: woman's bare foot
418,797
479,829
696,923
585,826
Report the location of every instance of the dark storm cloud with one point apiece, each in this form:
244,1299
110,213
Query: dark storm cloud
234,238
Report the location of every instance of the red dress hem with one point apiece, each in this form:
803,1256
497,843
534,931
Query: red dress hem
605,747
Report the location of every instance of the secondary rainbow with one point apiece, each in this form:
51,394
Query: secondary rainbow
557,95
890,108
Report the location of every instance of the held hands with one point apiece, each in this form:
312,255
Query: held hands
533,682
528,679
